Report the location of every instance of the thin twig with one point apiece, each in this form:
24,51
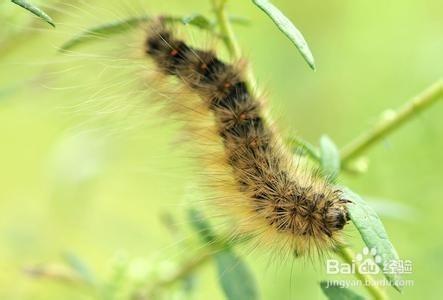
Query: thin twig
388,124
186,269
230,41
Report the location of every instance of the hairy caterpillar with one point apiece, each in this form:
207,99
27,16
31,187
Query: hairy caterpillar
264,190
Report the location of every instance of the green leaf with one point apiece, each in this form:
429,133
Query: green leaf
103,30
329,157
288,28
201,225
372,232
302,147
235,278
336,292
198,20
79,267
35,10
190,283
239,20
121,26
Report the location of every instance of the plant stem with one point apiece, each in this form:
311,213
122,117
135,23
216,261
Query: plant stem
225,28
230,40
376,292
187,268
388,124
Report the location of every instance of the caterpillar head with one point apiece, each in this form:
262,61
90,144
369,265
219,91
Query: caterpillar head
337,215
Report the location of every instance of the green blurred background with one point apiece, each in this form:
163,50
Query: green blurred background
87,169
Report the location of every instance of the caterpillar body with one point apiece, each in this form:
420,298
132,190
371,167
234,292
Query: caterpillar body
270,196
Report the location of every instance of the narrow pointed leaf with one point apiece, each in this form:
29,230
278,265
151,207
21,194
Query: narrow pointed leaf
235,277
373,233
302,147
79,267
330,157
103,30
198,21
35,10
121,26
288,28
201,226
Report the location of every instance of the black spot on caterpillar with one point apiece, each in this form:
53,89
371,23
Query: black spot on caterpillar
271,196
